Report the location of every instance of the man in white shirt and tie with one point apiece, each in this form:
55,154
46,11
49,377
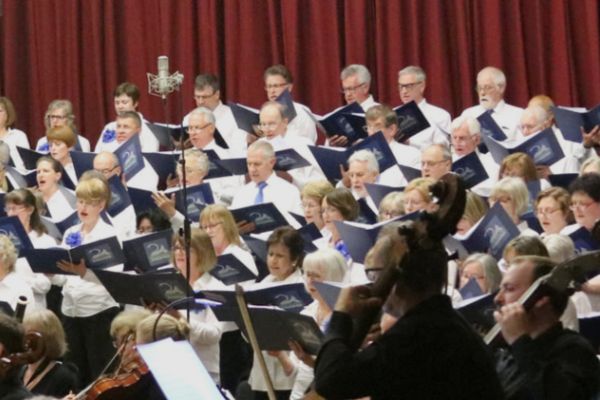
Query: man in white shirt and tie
265,186
491,85
411,87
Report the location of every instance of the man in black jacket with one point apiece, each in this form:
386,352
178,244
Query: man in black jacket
543,360
430,353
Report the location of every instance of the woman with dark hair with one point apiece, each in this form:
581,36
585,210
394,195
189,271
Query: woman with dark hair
285,253
12,137
21,203
338,205
152,221
62,140
48,175
585,200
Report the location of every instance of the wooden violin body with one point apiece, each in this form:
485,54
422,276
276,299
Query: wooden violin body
33,350
119,387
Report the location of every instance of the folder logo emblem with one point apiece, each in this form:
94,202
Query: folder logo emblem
225,271
261,219
309,338
540,153
212,166
288,301
129,160
496,235
115,198
170,292
344,125
285,161
377,153
466,173
99,255
406,122
157,252
8,232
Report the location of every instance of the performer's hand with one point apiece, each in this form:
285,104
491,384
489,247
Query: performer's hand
172,181
285,175
591,138
77,269
355,300
165,203
338,141
301,354
543,171
245,227
514,321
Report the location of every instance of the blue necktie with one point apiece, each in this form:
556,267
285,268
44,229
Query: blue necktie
260,196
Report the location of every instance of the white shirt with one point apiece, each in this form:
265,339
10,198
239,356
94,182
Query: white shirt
368,103
508,117
108,138
70,170
303,124
14,286
573,152
278,191
14,138
125,223
223,188
59,207
280,380
85,297
438,132
205,332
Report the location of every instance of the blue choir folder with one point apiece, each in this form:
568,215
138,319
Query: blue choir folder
409,173
258,248
119,196
13,229
29,157
230,270
532,221
471,289
583,241
309,233
198,197
57,229
2,205
570,122
491,234
164,164
275,328
289,159
562,180
410,121
130,157
232,166
20,180
148,252
285,99
479,311
346,121
245,117
330,159
470,169
100,254
542,147
215,170
290,297
82,162
265,216
489,127
377,192
329,291
141,200
155,287
365,214
165,133
300,218
589,328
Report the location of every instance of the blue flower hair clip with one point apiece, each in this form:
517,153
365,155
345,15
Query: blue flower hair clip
109,135
74,239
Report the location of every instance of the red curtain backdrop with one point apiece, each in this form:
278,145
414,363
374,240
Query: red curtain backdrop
81,49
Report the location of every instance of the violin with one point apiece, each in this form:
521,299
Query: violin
124,383
33,350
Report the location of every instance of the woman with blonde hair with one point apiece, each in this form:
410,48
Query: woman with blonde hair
475,209
513,196
48,375
312,195
417,196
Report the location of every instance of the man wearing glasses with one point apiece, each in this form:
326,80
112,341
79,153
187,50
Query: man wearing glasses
277,79
411,87
207,94
436,161
491,85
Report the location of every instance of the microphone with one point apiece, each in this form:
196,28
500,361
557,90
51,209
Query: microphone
163,83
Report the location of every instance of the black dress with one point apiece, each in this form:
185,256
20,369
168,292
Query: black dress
559,364
430,353
58,382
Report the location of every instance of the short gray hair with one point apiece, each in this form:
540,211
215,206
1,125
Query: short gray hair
197,159
264,147
365,156
418,72
331,262
516,189
8,253
446,153
497,75
473,125
491,272
538,112
204,112
364,76
560,247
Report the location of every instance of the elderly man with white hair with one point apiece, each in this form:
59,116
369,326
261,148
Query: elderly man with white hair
534,120
466,136
411,87
491,85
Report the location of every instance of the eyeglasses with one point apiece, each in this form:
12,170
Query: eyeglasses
177,247
373,128
307,205
210,226
485,88
268,125
275,86
501,199
107,171
431,163
352,89
13,209
58,117
408,86
204,96
546,211
580,206
196,128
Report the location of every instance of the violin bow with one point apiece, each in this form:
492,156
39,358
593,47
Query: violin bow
241,301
